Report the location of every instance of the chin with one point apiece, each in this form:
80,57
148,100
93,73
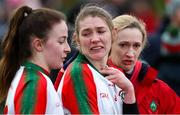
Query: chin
127,68
58,66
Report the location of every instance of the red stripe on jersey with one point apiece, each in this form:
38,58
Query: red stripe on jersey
5,110
19,93
91,89
58,79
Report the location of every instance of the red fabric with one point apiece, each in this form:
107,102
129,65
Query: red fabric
110,63
92,94
58,79
19,93
5,110
68,93
40,106
152,89
136,71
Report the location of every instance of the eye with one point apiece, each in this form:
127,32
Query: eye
137,45
101,31
86,33
123,45
62,40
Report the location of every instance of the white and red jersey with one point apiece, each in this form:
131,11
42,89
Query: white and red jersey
32,92
83,90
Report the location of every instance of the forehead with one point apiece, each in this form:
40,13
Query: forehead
130,35
92,22
59,29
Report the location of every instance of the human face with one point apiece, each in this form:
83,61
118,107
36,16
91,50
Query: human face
126,48
56,47
94,38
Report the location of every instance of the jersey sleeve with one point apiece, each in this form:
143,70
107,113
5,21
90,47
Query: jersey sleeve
31,93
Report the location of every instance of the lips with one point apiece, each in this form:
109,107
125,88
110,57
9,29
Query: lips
64,58
128,62
96,48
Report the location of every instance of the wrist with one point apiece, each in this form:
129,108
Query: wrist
129,96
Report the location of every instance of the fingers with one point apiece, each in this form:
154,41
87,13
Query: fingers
107,71
116,77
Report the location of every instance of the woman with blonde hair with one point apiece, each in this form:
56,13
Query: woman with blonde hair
153,95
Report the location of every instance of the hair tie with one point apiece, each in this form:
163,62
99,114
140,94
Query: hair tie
27,11
25,14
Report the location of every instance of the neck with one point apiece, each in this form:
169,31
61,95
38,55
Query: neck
130,71
99,64
39,62
113,59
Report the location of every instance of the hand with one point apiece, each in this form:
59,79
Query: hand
119,79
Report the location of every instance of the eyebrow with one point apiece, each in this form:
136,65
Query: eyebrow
98,28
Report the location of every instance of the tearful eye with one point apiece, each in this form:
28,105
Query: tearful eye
86,34
101,32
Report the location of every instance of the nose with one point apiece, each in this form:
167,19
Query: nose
67,48
95,38
130,53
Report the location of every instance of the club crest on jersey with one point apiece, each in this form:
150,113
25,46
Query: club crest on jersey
153,105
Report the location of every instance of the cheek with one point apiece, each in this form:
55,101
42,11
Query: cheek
119,52
84,44
54,50
54,47
109,39
109,43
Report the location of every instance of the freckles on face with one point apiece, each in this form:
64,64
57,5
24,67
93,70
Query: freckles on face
94,38
127,47
56,45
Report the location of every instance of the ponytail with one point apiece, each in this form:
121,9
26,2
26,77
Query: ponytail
11,60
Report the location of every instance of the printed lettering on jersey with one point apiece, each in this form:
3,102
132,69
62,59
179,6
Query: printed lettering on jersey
104,95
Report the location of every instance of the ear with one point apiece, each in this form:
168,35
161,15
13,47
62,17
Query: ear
114,34
76,38
37,44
